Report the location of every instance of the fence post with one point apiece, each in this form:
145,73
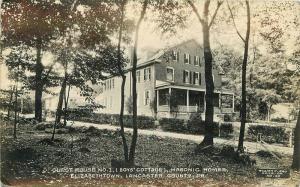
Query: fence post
291,138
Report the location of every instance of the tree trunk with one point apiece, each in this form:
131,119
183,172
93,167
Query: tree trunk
10,102
296,156
209,111
38,82
59,105
16,112
66,105
134,94
125,146
209,99
243,109
121,72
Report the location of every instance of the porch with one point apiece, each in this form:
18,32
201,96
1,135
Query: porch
185,100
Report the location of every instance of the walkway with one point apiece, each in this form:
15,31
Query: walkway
251,147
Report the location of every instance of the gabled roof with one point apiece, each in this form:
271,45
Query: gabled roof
155,58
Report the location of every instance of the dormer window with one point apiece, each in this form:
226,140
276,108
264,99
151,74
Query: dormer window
170,74
187,58
196,61
175,55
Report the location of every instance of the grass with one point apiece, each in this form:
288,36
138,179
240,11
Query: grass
33,161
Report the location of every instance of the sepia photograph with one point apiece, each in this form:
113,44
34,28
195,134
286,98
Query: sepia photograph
150,93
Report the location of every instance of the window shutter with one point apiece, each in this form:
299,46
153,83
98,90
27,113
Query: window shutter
183,76
194,77
189,58
199,78
191,77
177,56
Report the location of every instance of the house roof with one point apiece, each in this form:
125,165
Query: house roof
155,57
144,62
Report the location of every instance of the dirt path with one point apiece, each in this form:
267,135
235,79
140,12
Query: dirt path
251,147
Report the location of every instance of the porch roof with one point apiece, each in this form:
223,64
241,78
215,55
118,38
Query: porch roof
165,85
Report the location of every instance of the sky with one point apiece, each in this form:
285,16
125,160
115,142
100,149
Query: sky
223,33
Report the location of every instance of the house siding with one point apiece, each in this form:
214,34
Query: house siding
111,98
193,49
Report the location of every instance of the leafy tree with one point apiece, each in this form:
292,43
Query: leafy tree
243,110
208,58
34,24
120,65
89,54
134,93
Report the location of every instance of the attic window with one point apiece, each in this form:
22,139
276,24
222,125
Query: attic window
196,61
187,58
175,55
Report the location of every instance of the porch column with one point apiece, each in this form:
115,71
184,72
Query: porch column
157,100
204,107
232,102
220,102
170,102
187,100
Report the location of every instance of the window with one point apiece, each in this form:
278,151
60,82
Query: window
147,74
107,84
163,96
113,83
186,58
186,76
170,74
196,61
110,102
197,79
175,55
147,97
138,76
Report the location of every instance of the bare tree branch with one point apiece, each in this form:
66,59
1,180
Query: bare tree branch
215,13
232,17
195,10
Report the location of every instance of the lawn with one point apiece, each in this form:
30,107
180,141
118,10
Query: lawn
33,160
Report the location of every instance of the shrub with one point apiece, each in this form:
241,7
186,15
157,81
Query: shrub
269,134
78,113
143,122
226,129
280,120
172,124
193,126
198,127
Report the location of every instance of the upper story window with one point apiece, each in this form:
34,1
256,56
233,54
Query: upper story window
147,97
147,74
197,61
138,76
113,83
197,78
186,58
175,55
186,76
170,74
